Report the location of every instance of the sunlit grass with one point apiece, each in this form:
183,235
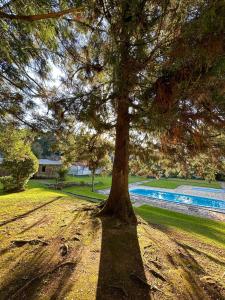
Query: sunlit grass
172,183
12,204
210,231
101,182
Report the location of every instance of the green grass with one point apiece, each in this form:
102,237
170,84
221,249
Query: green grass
37,214
101,182
16,203
210,231
173,183
85,191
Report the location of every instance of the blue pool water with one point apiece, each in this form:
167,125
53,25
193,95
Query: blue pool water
180,198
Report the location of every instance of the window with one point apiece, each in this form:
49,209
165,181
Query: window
43,169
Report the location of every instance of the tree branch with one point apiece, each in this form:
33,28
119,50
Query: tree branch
32,18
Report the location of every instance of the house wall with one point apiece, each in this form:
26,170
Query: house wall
47,171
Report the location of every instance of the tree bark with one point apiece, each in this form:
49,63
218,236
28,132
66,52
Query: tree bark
32,18
92,181
118,203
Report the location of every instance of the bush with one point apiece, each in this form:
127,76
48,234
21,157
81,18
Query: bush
9,183
21,171
62,172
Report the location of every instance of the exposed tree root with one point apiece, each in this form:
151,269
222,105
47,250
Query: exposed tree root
40,276
126,218
156,274
64,250
20,243
144,282
217,260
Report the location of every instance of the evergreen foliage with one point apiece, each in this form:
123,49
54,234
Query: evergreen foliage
94,150
62,172
19,161
21,171
156,67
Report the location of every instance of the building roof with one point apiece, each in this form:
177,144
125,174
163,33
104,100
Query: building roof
44,161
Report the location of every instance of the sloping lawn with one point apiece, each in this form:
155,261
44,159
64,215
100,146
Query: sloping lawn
210,231
85,191
14,204
173,183
52,246
101,182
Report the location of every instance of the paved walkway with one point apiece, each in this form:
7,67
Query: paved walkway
222,185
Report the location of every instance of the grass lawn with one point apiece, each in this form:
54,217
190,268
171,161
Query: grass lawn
210,231
101,182
99,252
85,191
15,204
172,183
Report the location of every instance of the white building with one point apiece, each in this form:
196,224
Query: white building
80,169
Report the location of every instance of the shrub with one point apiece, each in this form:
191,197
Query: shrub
9,183
21,171
62,172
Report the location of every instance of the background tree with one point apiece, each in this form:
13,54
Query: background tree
62,172
18,161
43,145
95,151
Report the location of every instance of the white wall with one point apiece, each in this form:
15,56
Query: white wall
81,170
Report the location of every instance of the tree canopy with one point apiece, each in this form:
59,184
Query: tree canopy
153,67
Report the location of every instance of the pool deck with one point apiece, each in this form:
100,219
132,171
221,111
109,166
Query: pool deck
183,208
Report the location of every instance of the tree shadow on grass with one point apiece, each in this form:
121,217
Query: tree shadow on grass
121,270
28,212
209,230
40,271
197,251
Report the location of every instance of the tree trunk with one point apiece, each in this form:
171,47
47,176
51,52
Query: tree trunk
118,203
92,181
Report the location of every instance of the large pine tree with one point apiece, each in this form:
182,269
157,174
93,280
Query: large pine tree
149,66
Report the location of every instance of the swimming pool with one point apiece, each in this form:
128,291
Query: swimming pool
180,198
